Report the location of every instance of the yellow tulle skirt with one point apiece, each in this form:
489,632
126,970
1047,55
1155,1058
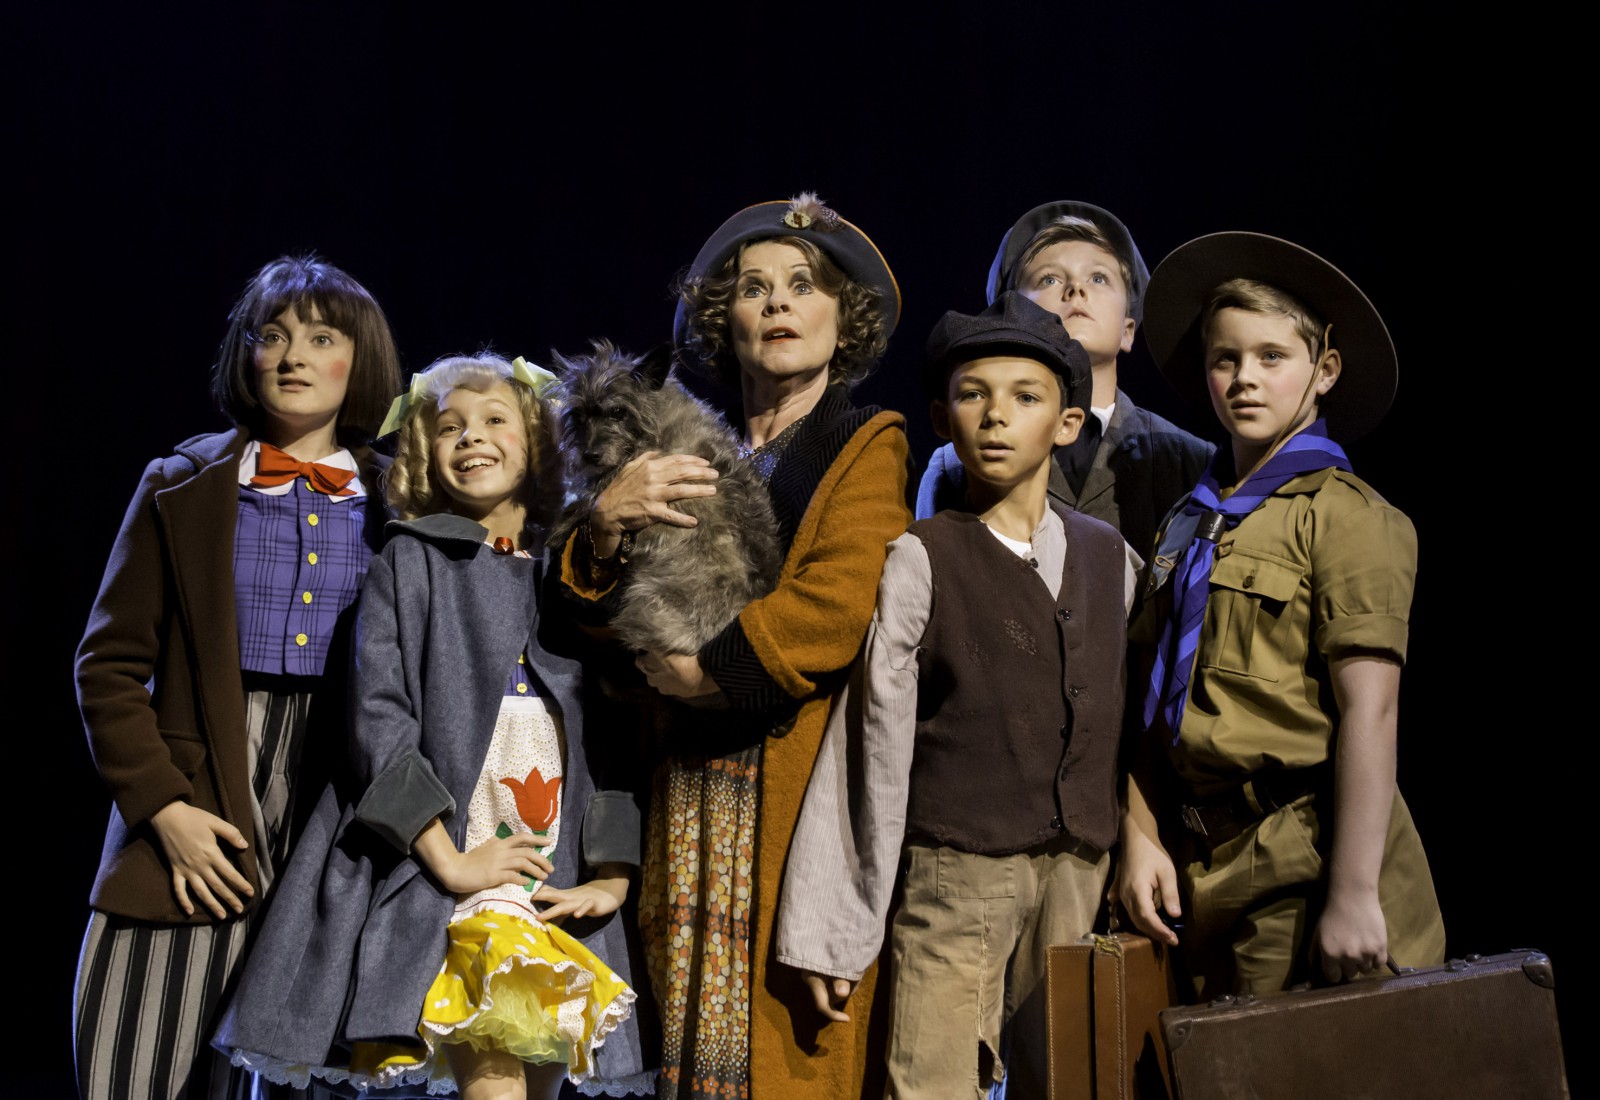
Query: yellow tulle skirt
508,984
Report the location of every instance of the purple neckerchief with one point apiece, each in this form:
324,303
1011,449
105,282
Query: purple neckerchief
1304,453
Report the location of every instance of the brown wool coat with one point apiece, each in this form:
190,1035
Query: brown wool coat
158,671
806,631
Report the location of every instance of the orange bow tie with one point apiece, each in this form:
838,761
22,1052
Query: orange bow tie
275,467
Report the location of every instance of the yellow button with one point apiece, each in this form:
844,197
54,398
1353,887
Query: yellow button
305,597
311,558
309,489
312,519
300,639
522,659
522,689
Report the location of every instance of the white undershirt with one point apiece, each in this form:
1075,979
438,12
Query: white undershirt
1021,548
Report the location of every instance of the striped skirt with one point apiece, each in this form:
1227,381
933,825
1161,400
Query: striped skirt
149,997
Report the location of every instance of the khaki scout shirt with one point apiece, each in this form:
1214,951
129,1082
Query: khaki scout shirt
1324,567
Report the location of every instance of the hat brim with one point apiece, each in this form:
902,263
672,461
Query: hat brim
845,244
1017,238
1369,372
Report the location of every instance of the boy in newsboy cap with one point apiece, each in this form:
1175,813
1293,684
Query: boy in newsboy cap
1283,583
984,723
1128,465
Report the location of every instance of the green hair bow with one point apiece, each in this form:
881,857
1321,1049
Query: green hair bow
535,377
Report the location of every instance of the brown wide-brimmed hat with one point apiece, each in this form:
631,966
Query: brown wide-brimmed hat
803,216
1183,282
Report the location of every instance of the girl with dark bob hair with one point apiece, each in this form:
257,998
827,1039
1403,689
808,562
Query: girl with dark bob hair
792,305
211,674
306,284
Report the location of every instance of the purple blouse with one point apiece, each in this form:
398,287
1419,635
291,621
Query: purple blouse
298,563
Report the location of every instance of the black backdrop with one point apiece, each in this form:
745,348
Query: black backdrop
534,183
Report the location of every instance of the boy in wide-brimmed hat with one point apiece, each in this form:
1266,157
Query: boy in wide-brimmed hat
1127,465
1283,586
982,732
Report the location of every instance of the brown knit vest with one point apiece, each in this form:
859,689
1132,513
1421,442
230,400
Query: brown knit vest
1019,700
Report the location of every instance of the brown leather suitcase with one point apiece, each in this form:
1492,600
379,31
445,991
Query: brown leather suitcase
1483,1026
1104,998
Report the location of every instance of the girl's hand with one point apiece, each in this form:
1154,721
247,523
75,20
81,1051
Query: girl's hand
642,493
676,674
189,838
503,861
1351,938
599,896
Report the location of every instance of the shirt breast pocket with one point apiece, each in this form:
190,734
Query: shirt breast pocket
1249,614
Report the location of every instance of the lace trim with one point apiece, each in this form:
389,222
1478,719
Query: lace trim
639,1084
615,1012
435,1072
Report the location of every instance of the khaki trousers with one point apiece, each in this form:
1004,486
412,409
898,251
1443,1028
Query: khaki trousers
1253,901
967,951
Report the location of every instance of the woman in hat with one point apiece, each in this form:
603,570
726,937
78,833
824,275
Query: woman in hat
1285,586
790,305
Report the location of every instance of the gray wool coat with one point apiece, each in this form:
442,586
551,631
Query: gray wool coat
356,930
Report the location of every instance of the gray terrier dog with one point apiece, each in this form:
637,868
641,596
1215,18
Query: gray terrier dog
682,584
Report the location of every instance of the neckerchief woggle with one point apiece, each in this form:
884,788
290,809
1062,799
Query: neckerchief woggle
1305,452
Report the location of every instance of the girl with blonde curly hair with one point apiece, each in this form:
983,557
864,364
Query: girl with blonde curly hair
473,821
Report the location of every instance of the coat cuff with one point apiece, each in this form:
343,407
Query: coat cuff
577,564
590,603
732,662
403,800
611,829
829,969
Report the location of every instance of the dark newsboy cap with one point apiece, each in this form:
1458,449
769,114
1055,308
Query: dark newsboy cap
1013,325
1040,218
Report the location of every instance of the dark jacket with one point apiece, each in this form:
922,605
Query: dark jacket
158,670
357,928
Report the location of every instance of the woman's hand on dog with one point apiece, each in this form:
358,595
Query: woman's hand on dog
676,674
643,492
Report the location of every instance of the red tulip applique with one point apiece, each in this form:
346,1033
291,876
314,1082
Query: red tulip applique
536,800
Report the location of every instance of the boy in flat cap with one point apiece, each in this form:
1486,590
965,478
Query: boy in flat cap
982,732
1128,465
1284,586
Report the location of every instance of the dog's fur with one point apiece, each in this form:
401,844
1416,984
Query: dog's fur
682,585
